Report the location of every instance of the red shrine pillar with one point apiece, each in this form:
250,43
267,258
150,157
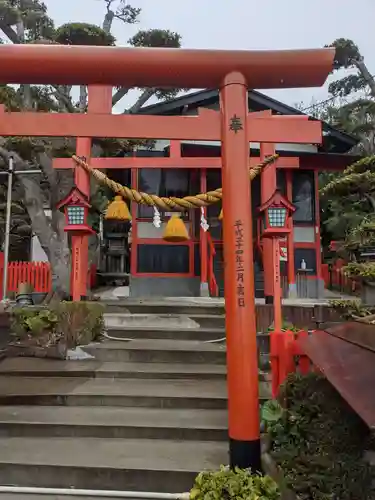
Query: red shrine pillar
99,101
268,187
242,357
80,243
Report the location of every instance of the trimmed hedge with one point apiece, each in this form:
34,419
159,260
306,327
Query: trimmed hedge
319,442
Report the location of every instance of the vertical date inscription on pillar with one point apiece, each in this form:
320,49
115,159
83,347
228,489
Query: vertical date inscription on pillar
277,263
76,263
240,270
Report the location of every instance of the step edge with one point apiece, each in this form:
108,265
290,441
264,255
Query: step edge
199,427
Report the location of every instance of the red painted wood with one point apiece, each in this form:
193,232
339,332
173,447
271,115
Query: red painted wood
38,274
160,67
285,347
168,162
212,283
205,127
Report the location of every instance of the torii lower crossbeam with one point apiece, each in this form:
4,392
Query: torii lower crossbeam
167,162
205,127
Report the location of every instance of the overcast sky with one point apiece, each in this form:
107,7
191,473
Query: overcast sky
243,24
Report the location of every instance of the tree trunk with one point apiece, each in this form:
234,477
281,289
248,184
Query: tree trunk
26,89
141,101
108,20
53,240
362,68
82,98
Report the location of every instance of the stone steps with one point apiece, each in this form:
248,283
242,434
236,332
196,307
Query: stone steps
172,321
159,333
143,415
107,464
202,334
13,367
114,422
152,393
167,306
113,370
163,351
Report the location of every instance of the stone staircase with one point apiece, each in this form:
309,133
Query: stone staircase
144,415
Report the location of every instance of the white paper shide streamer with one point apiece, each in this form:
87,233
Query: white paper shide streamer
204,223
156,219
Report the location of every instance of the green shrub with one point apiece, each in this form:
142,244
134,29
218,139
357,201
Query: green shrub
365,270
77,323
80,322
239,484
32,321
350,309
286,326
319,441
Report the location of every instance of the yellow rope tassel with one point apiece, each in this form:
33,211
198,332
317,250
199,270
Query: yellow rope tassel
175,231
118,210
221,215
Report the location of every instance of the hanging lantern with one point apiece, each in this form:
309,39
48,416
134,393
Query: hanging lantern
274,215
175,230
76,209
118,210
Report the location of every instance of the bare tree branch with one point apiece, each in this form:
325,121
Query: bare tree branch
27,97
143,98
119,95
127,15
9,32
82,98
65,102
362,68
32,195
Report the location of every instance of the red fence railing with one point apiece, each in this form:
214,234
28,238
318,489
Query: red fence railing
212,283
287,357
336,279
37,274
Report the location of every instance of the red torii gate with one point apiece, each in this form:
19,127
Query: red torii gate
233,72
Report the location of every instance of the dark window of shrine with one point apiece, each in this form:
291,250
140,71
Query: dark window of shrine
303,197
309,256
168,259
163,182
281,181
197,259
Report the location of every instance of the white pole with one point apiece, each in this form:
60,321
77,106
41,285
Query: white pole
7,226
71,492
10,174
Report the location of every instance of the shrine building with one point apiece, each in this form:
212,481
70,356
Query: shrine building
136,254
158,268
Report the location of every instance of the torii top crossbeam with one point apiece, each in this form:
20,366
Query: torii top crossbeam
152,67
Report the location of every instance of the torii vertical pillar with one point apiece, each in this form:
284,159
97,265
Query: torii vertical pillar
99,101
242,353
